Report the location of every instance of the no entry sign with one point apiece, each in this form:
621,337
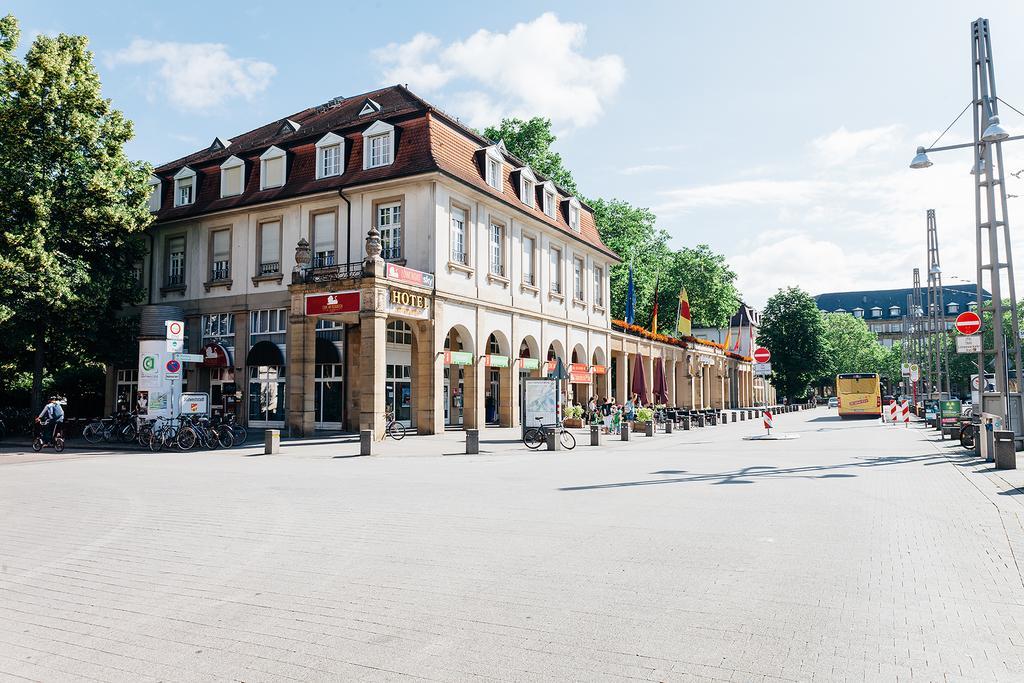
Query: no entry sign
968,322
762,355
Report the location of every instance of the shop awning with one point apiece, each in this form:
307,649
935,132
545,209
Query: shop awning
326,351
264,353
216,355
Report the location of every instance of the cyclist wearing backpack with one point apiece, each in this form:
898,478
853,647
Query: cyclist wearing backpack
52,414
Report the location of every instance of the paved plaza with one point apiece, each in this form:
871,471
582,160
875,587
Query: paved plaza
858,551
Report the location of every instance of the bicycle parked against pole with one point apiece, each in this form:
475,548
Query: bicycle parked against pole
535,436
394,428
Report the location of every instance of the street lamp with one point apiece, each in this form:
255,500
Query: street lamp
990,220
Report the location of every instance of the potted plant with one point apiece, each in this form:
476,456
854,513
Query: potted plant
573,416
644,421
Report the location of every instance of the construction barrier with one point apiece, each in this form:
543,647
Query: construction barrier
906,413
893,411
768,420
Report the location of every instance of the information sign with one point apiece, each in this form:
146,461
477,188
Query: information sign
970,343
195,403
762,369
175,329
541,402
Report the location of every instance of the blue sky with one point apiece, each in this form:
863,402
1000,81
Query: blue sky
778,133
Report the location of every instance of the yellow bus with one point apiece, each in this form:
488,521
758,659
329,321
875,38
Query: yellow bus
859,394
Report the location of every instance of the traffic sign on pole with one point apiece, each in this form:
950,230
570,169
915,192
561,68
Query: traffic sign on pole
915,372
968,322
762,355
175,329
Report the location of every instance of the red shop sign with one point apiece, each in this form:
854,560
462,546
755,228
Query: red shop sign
334,302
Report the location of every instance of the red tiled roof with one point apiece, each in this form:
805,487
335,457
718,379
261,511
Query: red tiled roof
425,140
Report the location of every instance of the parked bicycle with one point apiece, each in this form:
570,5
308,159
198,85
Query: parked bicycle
394,428
535,436
116,427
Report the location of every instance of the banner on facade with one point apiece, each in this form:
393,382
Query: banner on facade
599,369
578,377
493,360
458,358
413,277
332,302
529,363
541,402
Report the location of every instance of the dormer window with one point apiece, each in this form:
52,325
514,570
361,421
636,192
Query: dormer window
839,310
894,311
549,199
232,176
876,312
573,213
330,160
273,170
155,193
378,145
952,307
494,168
858,312
184,187
527,183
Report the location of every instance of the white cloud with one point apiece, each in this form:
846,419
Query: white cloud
535,69
842,146
644,168
198,76
741,192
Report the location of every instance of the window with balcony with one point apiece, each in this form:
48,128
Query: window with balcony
556,270
529,276
324,240
273,169
175,266
458,236
220,255
389,225
497,249
598,286
577,279
330,150
269,247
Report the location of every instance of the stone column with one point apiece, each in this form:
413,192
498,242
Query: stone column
514,378
473,394
648,361
504,397
372,356
621,375
241,371
427,380
301,360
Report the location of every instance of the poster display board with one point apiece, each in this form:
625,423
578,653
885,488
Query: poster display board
159,380
949,412
541,402
195,403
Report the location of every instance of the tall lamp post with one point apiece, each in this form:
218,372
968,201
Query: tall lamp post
992,224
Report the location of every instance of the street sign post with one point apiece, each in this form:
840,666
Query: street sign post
968,323
762,355
175,329
189,357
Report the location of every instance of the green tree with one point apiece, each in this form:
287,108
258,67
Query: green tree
531,141
793,329
710,285
73,205
852,347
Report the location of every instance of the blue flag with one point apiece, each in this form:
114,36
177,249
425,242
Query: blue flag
630,297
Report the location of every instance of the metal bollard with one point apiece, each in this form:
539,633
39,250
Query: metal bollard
272,442
649,428
725,418
686,423
595,435
743,415
624,431
1005,456
668,426
553,442
365,442
472,441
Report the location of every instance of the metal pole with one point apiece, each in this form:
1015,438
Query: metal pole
919,356
937,303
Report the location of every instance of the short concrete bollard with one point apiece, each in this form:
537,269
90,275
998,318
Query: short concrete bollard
366,442
553,441
668,426
686,423
1005,456
743,415
725,418
702,421
272,442
624,431
472,441
595,435
649,428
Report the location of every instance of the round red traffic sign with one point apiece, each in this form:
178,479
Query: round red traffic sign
762,355
173,366
968,322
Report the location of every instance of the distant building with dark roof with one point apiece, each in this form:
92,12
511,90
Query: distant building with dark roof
883,309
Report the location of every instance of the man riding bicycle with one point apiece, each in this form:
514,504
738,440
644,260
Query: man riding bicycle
52,414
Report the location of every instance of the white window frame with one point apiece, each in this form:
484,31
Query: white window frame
155,193
550,197
599,286
379,130
276,320
555,284
527,187
494,168
579,283
325,258
323,146
179,182
496,248
232,162
171,262
392,243
218,325
274,152
894,308
261,257
573,213
223,270
529,257
458,236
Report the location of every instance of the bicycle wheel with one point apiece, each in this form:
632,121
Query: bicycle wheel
224,437
156,441
127,433
568,440
533,438
239,433
58,444
37,444
93,432
186,438
396,430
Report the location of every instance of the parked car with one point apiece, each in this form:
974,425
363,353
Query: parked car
833,402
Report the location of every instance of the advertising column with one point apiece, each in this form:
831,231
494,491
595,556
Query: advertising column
160,373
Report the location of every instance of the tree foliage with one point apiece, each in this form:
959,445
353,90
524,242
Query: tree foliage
852,347
632,233
72,204
793,329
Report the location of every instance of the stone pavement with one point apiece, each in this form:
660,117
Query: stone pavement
859,551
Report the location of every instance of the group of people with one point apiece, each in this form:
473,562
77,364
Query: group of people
610,414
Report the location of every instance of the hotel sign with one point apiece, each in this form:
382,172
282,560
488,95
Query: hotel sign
332,302
413,277
408,304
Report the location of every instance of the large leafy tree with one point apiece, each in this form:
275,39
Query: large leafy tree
72,204
852,347
793,329
531,141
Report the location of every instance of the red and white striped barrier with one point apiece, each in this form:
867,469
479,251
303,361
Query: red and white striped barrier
906,413
893,411
768,420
